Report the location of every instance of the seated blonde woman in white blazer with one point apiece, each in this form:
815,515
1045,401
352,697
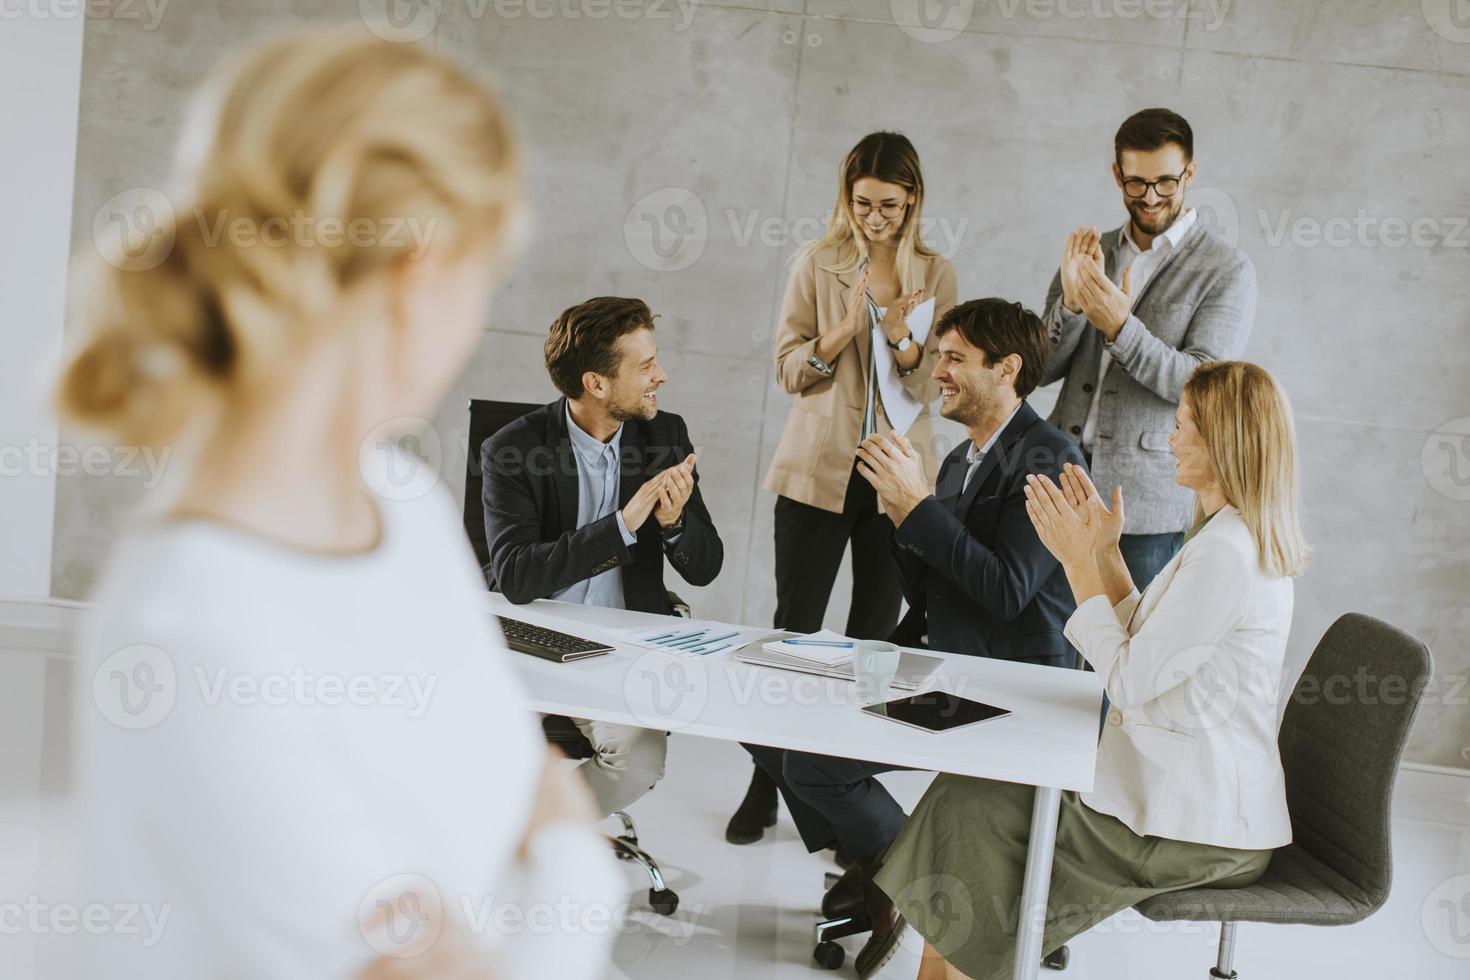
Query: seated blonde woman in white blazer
1189,789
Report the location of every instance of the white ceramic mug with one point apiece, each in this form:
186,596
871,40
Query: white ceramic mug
874,663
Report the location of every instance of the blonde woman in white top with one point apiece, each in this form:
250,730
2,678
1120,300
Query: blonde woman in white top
301,743
1189,790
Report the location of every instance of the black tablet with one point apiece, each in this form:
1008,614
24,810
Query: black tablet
936,711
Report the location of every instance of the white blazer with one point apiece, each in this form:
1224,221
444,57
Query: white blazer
1193,669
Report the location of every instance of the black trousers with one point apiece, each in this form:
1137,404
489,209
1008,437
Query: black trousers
809,546
835,801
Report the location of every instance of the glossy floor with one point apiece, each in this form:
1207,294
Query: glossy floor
747,912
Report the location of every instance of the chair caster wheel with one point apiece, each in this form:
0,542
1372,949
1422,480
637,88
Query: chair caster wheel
829,955
664,902
1058,959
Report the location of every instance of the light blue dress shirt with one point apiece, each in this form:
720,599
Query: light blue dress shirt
598,476
976,454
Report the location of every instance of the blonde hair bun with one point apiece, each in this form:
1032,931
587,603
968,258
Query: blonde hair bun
315,160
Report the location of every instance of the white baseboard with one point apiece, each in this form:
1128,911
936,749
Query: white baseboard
1434,782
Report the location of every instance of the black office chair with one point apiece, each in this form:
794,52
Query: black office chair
486,419
1341,756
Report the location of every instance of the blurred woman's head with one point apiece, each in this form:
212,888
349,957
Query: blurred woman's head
342,201
1234,436
880,201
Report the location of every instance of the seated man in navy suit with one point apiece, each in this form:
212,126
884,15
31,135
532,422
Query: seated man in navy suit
587,498
976,576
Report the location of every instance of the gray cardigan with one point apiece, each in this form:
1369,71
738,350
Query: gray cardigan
1199,306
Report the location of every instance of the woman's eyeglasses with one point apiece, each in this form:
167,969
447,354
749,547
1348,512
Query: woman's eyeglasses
864,208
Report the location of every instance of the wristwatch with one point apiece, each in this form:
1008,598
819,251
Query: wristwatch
904,344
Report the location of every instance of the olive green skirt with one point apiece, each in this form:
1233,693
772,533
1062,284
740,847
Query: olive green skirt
955,871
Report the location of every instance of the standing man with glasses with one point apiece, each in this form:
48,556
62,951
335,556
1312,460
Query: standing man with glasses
1132,312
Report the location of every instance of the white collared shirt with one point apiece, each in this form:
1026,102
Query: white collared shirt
1143,265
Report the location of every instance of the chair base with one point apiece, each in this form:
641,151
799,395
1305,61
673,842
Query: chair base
827,954
625,845
1225,959
1057,959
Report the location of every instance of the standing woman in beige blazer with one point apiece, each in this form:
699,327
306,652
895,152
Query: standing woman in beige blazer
849,293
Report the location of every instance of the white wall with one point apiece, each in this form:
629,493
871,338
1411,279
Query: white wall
40,76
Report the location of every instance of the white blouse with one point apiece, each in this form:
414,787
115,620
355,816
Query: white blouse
275,747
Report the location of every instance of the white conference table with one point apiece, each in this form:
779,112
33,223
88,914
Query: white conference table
1049,741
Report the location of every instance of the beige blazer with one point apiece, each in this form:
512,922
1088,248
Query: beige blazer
1193,669
814,458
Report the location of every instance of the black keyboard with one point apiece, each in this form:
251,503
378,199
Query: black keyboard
548,644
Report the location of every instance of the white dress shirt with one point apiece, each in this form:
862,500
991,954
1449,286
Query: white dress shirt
1143,265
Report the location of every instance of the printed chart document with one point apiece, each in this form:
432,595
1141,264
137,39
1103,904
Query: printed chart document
902,408
693,637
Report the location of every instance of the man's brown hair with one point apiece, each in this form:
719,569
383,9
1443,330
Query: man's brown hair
1001,328
1151,129
585,338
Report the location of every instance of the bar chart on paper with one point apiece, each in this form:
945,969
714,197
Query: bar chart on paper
695,637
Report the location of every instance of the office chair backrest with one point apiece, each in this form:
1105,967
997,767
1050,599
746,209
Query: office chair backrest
1342,737
486,419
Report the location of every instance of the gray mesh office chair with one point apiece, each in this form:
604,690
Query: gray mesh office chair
487,418
1342,737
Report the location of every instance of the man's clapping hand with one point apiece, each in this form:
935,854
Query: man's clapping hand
637,510
1087,289
663,497
1107,306
1084,246
893,466
677,488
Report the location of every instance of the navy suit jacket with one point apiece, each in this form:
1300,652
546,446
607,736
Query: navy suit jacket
977,578
530,498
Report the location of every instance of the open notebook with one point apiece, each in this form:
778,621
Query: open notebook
914,669
824,648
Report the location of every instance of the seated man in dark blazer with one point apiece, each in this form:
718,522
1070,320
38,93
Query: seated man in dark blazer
976,576
585,497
